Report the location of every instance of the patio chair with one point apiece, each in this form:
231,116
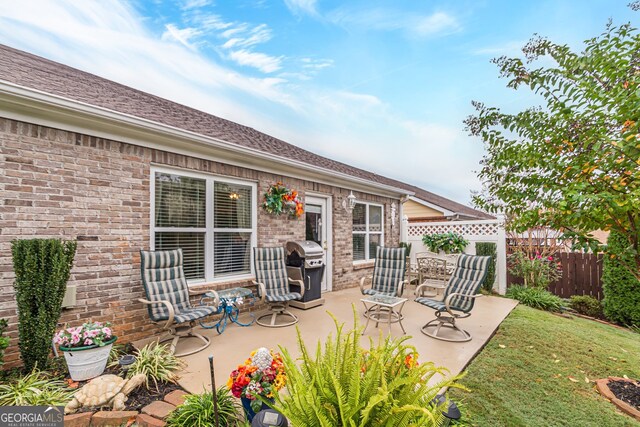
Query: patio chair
273,286
388,274
168,298
459,297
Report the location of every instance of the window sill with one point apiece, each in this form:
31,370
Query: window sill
361,265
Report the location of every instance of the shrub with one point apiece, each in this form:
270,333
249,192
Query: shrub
621,289
451,243
407,247
345,385
4,341
587,305
35,389
536,298
157,363
537,271
197,410
488,249
42,268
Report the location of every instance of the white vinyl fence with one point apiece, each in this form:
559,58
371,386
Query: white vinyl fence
475,231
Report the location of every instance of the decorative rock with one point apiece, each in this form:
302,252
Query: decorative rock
78,420
112,418
158,409
144,420
176,397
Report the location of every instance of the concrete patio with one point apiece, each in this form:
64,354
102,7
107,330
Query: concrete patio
234,345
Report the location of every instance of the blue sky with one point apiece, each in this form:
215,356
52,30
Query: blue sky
382,85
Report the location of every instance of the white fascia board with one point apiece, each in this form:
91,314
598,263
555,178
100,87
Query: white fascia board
444,211
33,106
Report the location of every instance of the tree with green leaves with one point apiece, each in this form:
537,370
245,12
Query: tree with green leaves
572,163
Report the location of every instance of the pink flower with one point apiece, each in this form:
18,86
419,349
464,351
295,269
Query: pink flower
88,342
550,258
106,331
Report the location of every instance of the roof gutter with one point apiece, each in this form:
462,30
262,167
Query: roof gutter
34,106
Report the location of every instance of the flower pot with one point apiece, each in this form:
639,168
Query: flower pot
246,405
87,362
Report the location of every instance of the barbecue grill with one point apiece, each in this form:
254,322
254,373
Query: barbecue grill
304,262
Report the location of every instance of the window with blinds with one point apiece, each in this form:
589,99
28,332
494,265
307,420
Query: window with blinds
367,230
209,218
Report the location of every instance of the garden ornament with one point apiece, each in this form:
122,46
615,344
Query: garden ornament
106,390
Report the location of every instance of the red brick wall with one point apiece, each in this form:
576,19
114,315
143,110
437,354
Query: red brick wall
60,184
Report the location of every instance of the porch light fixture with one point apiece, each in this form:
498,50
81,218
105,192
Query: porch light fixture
349,202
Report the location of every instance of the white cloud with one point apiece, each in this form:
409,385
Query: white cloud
358,128
437,23
256,35
316,64
261,61
302,7
180,35
384,19
194,4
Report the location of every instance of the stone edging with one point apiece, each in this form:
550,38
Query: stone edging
603,388
152,415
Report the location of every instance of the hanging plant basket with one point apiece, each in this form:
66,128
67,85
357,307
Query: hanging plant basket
279,200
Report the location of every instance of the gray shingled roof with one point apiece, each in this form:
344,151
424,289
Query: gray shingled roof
24,69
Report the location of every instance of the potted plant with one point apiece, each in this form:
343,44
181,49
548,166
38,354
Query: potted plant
257,379
449,243
86,348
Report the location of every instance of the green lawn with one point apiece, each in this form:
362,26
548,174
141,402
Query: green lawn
534,372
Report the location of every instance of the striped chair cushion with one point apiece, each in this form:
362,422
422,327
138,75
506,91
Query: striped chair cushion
388,270
435,304
466,279
195,313
163,279
271,270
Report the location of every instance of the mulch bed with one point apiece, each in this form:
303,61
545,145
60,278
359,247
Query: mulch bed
626,391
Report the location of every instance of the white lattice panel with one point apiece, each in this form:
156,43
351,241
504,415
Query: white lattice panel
473,229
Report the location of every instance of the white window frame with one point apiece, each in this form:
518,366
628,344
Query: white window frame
209,230
367,257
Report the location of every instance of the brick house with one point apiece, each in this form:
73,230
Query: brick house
120,170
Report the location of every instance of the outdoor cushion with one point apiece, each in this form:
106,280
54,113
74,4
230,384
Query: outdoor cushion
388,271
194,314
436,305
271,271
163,279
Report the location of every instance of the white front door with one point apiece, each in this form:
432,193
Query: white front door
317,223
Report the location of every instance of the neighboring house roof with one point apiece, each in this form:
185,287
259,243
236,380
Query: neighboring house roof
26,70
453,209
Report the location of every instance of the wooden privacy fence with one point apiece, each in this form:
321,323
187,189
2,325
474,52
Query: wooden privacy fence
581,275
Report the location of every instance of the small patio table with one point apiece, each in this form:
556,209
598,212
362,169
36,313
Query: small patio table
230,302
384,308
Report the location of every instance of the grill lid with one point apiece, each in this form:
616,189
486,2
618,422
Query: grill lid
305,248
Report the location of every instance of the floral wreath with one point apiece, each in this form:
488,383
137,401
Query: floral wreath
279,199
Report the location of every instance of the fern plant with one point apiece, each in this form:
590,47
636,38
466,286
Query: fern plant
342,384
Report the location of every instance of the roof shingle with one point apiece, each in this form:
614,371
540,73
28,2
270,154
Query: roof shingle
28,70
